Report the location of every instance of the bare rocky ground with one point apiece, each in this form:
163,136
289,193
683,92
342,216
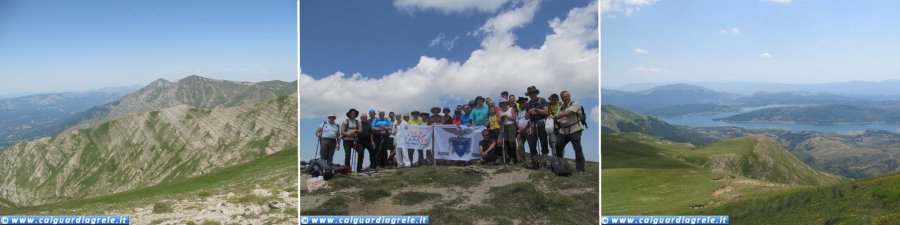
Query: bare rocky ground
387,193
262,206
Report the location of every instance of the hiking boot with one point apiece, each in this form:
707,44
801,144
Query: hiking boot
544,161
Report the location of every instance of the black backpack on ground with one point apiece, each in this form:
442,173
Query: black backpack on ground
560,167
320,167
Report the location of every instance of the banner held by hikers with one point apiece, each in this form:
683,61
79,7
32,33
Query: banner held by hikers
458,143
414,137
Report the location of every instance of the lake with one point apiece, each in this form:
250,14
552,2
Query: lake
706,120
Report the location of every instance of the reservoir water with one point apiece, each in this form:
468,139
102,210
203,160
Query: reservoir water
706,120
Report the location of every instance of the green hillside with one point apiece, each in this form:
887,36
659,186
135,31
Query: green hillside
642,174
872,201
615,120
275,172
756,157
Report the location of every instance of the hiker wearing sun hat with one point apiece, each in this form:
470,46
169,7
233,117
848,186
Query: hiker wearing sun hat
536,110
448,119
328,133
349,130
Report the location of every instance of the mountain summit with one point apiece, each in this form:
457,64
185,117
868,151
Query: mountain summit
164,132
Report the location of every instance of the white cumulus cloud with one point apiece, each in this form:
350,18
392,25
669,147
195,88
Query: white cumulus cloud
780,1
641,51
612,8
643,69
567,60
449,6
765,55
733,30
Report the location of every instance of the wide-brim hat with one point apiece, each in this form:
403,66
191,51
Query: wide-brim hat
532,90
522,100
352,111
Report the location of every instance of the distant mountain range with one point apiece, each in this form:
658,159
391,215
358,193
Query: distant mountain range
665,96
40,115
683,99
823,114
164,132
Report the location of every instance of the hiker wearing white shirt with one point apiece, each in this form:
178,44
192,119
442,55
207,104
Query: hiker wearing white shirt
328,134
404,156
508,124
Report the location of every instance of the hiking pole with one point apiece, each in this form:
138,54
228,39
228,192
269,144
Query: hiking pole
503,139
318,143
353,155
379,149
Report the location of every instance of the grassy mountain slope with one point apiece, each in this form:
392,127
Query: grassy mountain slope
645,175
171,202
871,153
615,119
144,149
759,158
871,201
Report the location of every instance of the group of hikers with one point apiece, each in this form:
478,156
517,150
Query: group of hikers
509,123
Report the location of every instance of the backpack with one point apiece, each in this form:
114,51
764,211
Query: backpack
582,117
347,122
560,167
320,167
342,169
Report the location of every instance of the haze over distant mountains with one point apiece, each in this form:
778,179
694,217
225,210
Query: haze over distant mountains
38,115
807,107
886,87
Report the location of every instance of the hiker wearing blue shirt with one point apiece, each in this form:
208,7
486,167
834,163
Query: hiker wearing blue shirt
465,119
381,127
479,114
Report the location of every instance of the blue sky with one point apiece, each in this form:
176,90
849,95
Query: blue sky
50,46
408,55
784,41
